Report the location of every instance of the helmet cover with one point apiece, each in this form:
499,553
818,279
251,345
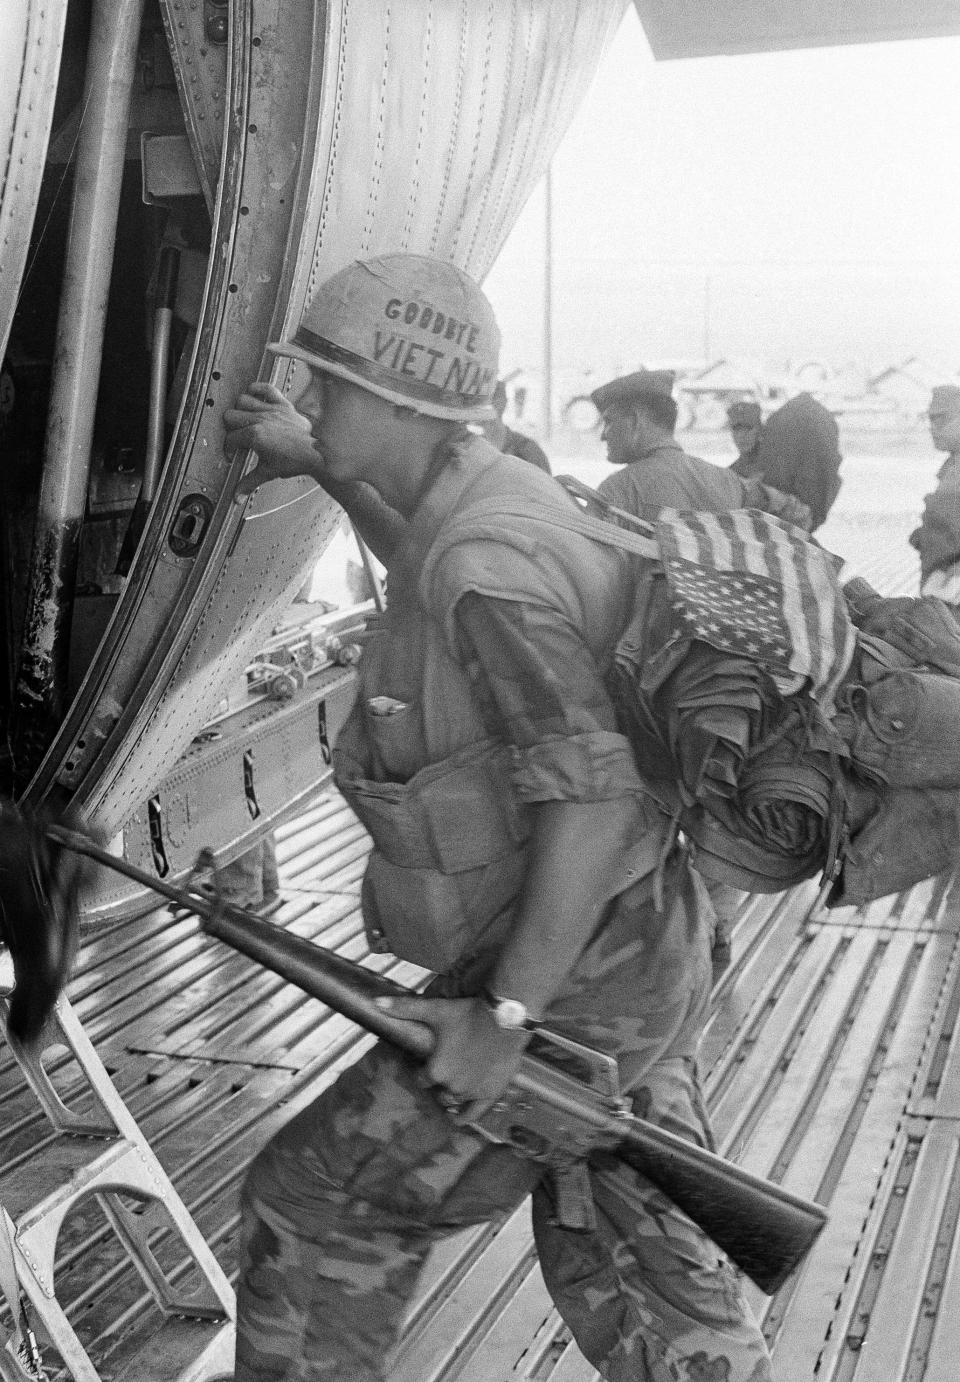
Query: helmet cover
409,328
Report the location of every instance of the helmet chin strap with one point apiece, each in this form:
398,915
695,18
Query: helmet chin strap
373,575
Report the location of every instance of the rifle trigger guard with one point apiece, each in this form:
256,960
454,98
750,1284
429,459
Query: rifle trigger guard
562,1106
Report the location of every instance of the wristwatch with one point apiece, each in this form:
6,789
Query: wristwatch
508,1013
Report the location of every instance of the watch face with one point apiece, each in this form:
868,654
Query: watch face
510,1013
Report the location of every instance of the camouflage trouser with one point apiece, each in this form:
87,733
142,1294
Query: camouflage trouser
341,1208
252,879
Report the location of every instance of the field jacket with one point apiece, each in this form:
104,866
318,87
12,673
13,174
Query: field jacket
445,799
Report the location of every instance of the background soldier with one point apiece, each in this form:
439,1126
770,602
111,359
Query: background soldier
937,539
796,451
509,441
745,421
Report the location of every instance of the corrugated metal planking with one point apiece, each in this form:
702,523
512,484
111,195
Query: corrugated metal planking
831,1062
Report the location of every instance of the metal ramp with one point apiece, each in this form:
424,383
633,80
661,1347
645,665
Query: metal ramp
832,1065
831,1062
205,1054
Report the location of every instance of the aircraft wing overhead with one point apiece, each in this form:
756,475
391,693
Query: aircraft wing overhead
706,28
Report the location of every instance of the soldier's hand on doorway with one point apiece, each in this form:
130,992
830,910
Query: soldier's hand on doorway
265,421
473,1060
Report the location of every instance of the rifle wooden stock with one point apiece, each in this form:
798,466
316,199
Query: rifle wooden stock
764,1229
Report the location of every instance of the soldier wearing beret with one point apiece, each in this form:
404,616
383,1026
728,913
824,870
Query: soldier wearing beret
639,417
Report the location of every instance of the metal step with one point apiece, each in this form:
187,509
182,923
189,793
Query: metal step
102,1156
831,1062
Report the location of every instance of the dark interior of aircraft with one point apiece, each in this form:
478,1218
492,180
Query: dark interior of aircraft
156,283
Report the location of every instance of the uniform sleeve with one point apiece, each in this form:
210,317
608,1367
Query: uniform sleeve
529,450
681,482
539,688
645,497
938,537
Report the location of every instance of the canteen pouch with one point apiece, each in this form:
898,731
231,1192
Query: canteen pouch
449,852
912,835
907,729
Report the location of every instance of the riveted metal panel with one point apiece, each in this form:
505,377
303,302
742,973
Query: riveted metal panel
886,1324
423,126
205,799
438,119
32,35
200,65
210,572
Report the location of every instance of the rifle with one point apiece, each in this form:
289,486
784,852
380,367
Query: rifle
564,1103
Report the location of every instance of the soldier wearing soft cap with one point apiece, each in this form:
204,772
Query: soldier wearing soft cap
937,538
639,416
745,421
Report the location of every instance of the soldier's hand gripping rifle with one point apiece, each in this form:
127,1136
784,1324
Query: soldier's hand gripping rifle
563,1104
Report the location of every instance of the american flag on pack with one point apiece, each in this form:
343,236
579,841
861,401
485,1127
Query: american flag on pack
751,585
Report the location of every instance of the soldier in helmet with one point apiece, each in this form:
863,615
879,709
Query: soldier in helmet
514,854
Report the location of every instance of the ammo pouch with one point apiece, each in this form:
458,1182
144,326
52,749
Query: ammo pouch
448,855
902,723
912,835
922,628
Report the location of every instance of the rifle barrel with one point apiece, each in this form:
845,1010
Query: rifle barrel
763,1228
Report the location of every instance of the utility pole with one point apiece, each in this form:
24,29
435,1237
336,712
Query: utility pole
548,304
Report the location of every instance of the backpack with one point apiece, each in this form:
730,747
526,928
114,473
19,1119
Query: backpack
789,736
800,454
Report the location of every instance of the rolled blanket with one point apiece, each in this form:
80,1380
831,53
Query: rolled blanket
781,826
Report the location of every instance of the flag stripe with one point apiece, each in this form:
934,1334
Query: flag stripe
718,544
805,654
737,549
748,582
753,560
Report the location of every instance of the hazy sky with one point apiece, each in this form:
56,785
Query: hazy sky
777,207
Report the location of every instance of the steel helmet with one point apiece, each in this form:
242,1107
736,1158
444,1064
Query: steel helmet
410,328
